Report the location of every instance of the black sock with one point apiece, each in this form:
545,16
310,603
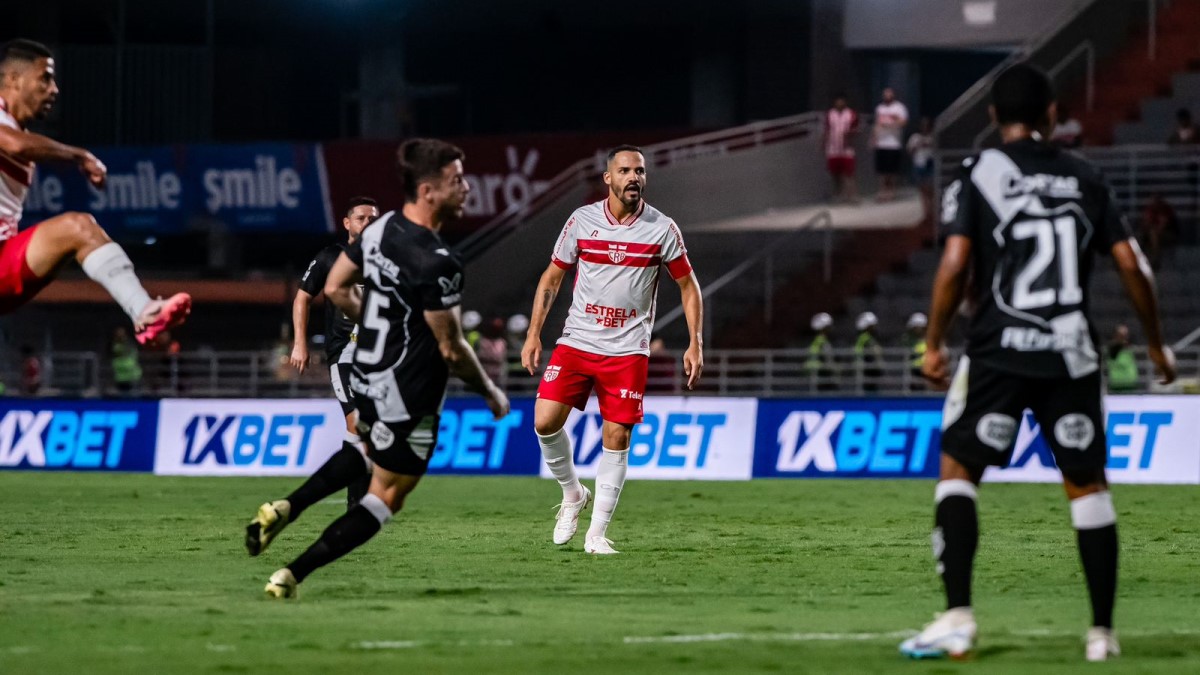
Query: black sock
357,490
336,473
958,525
1098,550
345,534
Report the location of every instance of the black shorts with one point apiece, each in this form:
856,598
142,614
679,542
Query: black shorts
339,378
888,161
984,408
399,447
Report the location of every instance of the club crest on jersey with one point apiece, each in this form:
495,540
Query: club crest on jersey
616,252
552,373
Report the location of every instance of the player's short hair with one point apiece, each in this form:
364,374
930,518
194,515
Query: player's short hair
1021,95
622,148
23,50
356,202
422,159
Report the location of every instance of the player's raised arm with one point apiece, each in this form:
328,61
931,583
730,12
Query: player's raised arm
948,288
693,312
543,300
446,325
1138,280
339,287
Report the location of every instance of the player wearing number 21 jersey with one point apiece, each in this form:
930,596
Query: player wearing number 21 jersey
1024,223
617,248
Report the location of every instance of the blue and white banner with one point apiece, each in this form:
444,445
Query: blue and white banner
680,438
50,435
273,187
247,437
471,442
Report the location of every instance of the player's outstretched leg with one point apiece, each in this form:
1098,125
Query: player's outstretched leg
549,418
77,235
1095,522
353,529
346,467
955,538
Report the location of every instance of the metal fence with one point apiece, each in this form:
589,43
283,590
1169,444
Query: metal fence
760,373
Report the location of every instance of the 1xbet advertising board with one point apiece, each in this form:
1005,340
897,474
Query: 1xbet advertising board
51,435
470,441
1151,439
268,187
679,438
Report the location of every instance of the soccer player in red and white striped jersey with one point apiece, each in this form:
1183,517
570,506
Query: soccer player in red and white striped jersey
616,247
30,258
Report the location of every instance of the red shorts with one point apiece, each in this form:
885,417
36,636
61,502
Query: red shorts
840,166
620,382
18,283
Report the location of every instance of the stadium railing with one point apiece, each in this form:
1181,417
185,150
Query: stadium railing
759,373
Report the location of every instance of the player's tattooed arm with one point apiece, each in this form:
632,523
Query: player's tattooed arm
446,325
30,147
339,287
543,300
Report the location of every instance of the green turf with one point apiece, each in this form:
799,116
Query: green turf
122,573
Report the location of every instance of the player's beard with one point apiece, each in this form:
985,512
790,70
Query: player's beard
630,199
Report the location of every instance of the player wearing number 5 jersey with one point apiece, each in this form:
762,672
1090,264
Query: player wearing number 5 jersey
1023,222
616,247
410,339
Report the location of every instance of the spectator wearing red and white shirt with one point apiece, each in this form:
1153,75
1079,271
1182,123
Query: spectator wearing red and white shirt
841,126
617,248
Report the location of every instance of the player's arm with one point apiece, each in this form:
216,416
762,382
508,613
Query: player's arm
299,357
948,288
26,146
543,300
446,325
693,312
339,287
1138,280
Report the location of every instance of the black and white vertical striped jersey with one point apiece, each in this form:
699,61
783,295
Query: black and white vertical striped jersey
407,270
339,329
1036,215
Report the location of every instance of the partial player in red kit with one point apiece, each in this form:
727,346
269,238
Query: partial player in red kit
616,247
30,258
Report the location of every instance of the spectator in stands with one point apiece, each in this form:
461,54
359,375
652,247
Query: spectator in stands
920,151
660,372
914,342
470,322
126,370
841,128
1122,367
868,354
493,348
822,370
1068,132
887,137
31,371
1185,132
1159,228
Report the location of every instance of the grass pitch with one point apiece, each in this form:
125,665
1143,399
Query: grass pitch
142,574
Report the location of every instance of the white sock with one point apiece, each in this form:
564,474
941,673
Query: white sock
610,478
111,268
556,450
377,508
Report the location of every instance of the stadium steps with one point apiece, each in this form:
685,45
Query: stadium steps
859,259
1130,76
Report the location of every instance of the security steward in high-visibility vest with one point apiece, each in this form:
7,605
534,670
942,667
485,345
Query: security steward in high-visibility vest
822,370
868,354
914,342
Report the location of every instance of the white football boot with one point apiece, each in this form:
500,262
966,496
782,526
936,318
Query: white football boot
568,517
951,634
599,546
1101,644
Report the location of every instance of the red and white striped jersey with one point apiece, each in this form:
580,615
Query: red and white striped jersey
15,179
616,278
838,125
